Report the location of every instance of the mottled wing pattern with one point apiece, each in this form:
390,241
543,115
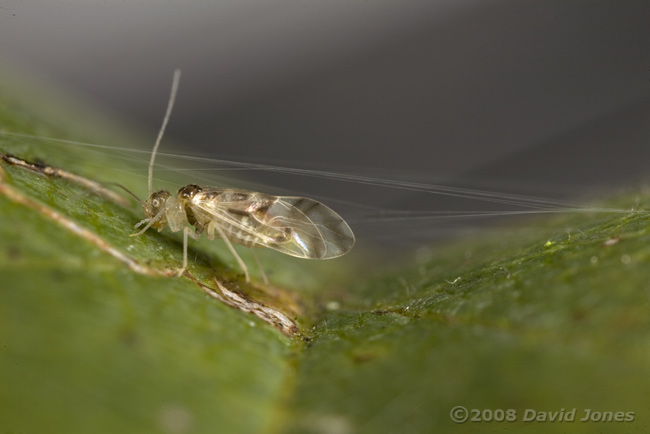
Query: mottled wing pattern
295,226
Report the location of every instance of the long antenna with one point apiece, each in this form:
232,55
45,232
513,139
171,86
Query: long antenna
170,105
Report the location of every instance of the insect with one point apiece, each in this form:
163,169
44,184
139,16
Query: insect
295,226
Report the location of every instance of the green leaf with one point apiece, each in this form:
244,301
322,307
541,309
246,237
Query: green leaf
545,321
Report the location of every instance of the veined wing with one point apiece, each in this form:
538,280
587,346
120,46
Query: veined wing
315,228
295,226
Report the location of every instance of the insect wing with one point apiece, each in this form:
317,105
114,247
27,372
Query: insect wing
317,232
295,226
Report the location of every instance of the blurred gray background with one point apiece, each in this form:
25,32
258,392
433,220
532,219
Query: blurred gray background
544,97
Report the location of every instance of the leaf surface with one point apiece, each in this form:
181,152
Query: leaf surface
551,320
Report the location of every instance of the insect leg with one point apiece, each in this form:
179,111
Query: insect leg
187,232
149,223
137,225
259,265
233,251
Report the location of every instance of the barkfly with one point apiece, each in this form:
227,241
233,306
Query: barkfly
295,226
